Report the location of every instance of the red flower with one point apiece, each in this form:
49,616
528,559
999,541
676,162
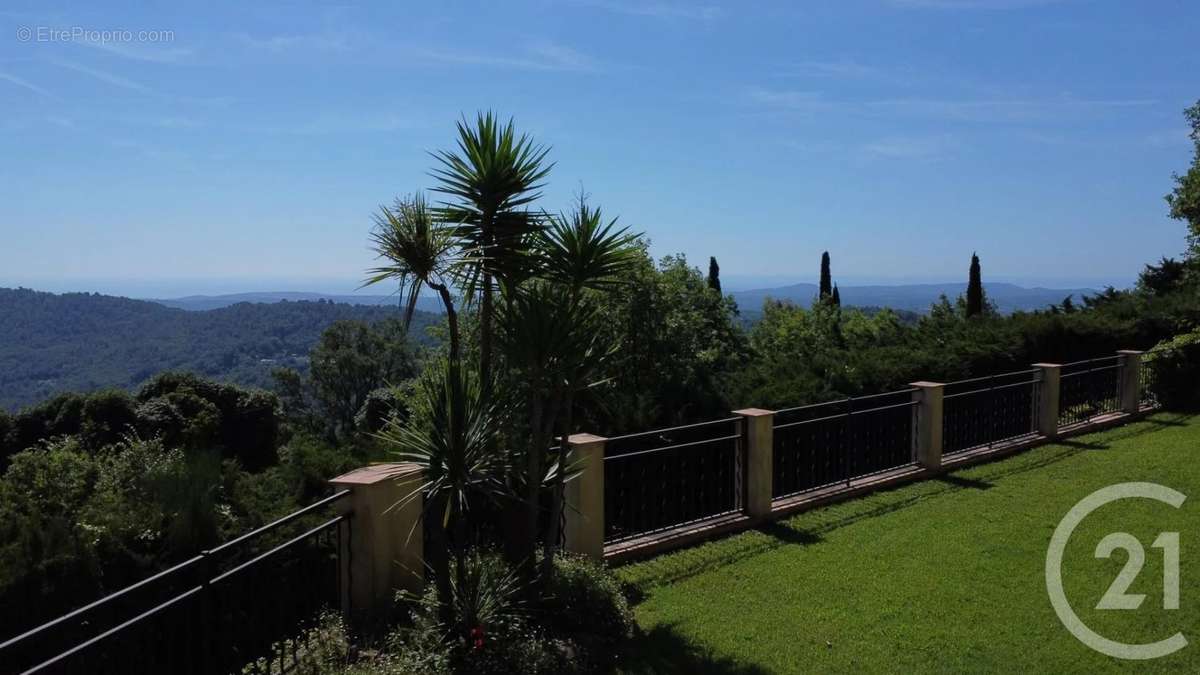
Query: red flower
477,638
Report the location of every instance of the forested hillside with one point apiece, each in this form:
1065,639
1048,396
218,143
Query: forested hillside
81,342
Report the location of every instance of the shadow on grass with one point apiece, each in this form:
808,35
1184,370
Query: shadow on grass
1084,445
664,650
789,535
964,482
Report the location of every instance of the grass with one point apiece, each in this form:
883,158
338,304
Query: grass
945,575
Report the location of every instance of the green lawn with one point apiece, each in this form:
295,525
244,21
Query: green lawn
945,575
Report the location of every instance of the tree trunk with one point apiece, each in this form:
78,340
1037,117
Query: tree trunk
554,530
438,556
486,314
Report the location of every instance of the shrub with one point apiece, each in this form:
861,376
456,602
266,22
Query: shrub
1176,368
578,626
585,604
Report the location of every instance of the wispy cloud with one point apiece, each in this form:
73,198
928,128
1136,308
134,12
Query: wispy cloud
545,56
911,147
334,123
60,121
1169,138
999,109
972,4
174,122
103,76
804,101
660,10
286,43
831,69
25,84
946,109
140,52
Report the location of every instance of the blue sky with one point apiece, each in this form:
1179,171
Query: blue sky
245,146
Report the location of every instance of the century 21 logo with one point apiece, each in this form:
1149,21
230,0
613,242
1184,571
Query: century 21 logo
1116,597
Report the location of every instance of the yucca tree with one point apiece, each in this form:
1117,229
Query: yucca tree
421,251
454,449
492,179
551,333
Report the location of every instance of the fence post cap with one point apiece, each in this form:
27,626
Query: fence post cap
585,439
753,412
376,473
926,385
1047,365
1130,352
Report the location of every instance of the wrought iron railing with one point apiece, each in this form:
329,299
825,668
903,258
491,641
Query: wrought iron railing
1088,389
829,443
662,479
1147,384
249,603
983,411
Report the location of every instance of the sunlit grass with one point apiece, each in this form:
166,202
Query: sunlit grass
944,575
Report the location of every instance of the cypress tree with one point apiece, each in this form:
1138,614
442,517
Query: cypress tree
975,289
836,298
826,280
714,274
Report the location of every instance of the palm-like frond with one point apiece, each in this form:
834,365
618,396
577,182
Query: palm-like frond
581,251
494,169
419,249
552,336
454,447
492,178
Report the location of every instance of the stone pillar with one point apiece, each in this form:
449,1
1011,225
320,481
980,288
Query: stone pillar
928,426
1131,381
760,450
386,536
1047,413
585,497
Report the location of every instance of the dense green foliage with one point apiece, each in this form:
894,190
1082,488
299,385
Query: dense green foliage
1184,200
581,628
677,342
940,576
81,342
352,370
1176,366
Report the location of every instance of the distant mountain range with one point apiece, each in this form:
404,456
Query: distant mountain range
53,343
196,303
915,297
908,297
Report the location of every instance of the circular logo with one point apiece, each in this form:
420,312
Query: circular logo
1054,558
24,33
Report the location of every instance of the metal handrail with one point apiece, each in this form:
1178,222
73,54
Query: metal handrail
992,388
92,605
843,400
906,404
1027,371
1095,360
1095,369
114,630
677,446
669,429
282,521
292,542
